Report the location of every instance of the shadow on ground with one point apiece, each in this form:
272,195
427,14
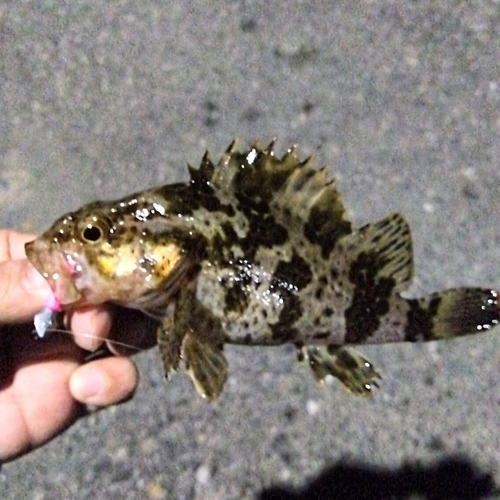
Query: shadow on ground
453,478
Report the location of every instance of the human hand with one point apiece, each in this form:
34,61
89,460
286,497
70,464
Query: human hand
44,386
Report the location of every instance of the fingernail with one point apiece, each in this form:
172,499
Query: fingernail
89,384
93,344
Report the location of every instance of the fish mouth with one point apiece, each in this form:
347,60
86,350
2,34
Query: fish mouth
59,268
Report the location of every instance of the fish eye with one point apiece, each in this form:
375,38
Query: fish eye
93,229
92,233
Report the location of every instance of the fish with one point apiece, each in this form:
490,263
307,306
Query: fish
255,250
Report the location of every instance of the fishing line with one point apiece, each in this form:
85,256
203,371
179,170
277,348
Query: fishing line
90,336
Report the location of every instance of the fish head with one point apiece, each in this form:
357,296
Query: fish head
104,252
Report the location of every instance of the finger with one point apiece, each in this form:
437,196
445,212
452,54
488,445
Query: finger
132,331
35,406
90,326
104,382
12,244
23,291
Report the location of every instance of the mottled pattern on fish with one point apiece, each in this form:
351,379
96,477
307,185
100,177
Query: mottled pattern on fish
256,250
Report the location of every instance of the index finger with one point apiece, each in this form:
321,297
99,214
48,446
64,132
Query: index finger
12,244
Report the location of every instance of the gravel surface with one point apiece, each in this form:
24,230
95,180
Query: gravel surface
400,98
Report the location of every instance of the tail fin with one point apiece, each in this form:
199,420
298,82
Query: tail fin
452,313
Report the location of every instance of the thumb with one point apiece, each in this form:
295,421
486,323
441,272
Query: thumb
23,291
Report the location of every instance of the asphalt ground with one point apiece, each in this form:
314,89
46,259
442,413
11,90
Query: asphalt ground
400,99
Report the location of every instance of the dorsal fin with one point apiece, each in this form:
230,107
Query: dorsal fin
387,249
255,173
297,193
309,197
290,187
204,172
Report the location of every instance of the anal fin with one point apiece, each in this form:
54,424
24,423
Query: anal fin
356,373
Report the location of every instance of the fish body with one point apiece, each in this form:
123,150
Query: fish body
256,250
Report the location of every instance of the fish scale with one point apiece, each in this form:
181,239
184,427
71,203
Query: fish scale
256,250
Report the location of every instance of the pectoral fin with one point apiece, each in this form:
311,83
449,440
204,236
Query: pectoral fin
169,337
206,365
